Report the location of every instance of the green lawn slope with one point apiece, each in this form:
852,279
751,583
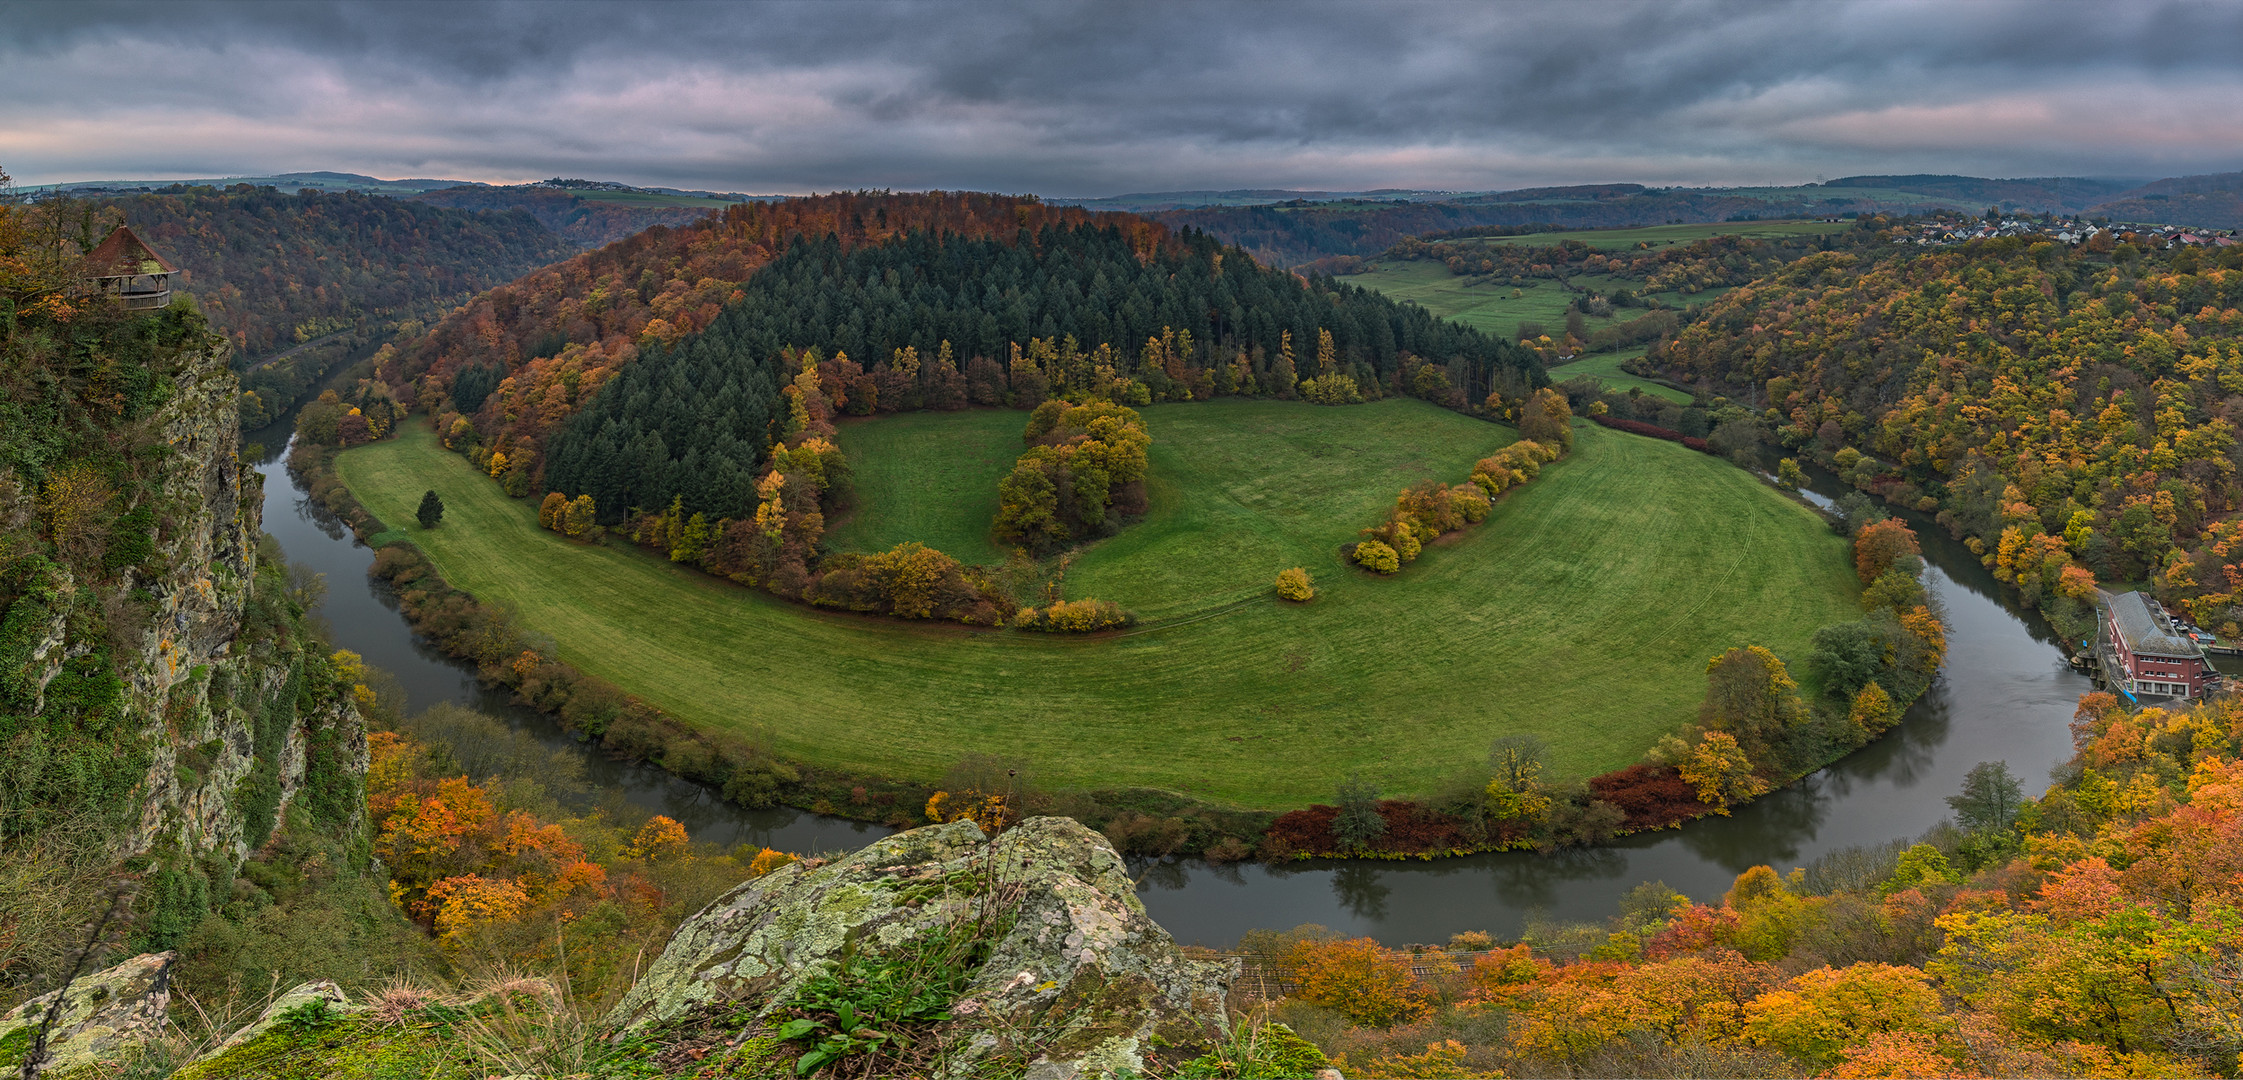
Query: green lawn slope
1242,489
1582,612
930,477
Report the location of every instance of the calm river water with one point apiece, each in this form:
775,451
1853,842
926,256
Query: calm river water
2006,696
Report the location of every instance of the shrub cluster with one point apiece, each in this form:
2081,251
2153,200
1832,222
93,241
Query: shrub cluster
1075,617
1426,511
1084,471
1294,584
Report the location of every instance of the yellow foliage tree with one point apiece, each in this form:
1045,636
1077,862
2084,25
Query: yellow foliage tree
580,518
1294,584
660,838
1721,772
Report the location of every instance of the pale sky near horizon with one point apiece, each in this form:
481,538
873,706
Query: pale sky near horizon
1061,97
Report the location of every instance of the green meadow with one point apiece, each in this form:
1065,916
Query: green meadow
1582,611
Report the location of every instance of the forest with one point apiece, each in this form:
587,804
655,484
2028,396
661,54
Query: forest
584,223
2070,411
1089,309
272,269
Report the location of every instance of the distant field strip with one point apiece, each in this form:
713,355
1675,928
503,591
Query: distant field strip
1582,612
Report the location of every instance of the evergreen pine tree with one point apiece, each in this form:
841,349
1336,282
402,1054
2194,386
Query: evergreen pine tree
431,510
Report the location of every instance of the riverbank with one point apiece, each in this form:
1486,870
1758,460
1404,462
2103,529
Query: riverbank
2015,707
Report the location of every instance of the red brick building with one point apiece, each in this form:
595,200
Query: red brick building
2143,653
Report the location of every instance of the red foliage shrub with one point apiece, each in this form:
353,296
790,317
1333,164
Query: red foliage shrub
1652,796
1695,443
1410,830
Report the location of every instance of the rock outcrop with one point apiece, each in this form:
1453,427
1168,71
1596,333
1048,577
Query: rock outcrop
1078,981
103,1018
173,667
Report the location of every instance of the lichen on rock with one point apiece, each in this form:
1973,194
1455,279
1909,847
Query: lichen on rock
103,1018
1078,981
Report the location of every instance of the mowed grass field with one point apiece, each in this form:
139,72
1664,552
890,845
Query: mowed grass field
1605,368
930,477
1582,611
1242,489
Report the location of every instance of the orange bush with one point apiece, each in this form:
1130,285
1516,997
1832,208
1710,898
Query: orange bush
1361,980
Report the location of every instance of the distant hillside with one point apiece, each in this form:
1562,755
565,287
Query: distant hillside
1299,231
272,270
585,219
2050,194
2213,201
559,333
295,181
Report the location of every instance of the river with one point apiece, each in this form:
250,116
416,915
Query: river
2006,696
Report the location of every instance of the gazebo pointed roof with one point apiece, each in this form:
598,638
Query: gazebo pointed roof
124,253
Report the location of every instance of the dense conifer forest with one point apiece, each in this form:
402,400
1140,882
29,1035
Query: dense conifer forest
1091,304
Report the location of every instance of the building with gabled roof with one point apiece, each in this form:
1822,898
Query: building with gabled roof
126,267
2142,651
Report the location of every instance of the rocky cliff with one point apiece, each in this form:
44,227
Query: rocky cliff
156,689
932,953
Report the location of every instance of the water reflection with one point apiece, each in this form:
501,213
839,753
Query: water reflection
2007,696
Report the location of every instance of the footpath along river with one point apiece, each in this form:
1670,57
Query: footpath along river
2006,695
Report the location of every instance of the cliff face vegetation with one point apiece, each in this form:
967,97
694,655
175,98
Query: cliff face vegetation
164,717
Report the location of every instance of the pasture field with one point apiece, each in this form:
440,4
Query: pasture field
1605,368
1242,489
930,477
1582,612
1490,306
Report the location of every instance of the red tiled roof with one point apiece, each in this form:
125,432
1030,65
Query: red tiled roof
125,251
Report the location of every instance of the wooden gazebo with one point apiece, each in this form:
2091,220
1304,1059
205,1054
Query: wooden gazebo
127,268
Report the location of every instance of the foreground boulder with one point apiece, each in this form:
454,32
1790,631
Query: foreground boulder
105,1017
1073,980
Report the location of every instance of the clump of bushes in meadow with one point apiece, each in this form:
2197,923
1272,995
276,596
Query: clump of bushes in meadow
1075,617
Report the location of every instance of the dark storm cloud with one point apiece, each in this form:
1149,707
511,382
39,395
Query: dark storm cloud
1091,98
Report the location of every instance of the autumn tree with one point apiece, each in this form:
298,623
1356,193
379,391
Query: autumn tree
1293,584
1361,980
1879,546
1514,790
1872,713
1376,556
1751,697
551,510
1721,772
1546,417
580,518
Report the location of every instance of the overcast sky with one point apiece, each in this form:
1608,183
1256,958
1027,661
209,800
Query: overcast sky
1065,98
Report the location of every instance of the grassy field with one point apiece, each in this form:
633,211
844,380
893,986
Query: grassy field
1243,489
1605,368
1582,611
930,477
1491,307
